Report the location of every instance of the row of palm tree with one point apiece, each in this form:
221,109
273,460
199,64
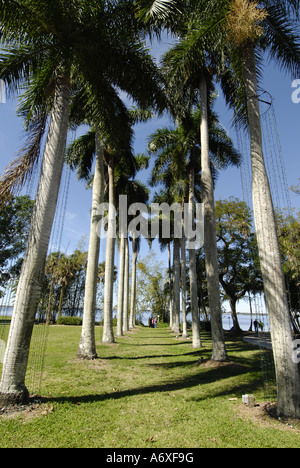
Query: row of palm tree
178,161
73,58
113,176
57,49
236,34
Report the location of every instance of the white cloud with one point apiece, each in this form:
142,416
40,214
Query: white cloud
70,216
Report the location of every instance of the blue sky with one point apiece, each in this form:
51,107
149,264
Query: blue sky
77,219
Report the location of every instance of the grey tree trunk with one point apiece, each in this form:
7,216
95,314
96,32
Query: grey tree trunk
235,320
287,372
87,344
133,284
176,287
121,287
251,311
126,289
170,286
108,333
183,282
210,237
193,273
12,386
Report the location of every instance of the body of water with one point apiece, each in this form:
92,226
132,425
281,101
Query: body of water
244,319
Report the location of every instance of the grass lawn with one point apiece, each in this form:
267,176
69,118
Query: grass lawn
149,390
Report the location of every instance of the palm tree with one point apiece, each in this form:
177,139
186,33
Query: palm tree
242,30
29,286
87,348
50,45
164,196
210,236
169,169
135,251
79,258
119,183
108,335
80,154
135,192
35,49
126,288
64,273
170,193
269,28
122,167
192,267
183,279
174,146
51,268
183,72
245,30
62,269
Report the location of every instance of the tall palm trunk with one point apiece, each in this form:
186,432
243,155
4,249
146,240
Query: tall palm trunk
126,288
133,283
183,280
12,386
170,285
121,287
108,334
176,287
61,301
193,272
287,373
87,344
210,237
50,303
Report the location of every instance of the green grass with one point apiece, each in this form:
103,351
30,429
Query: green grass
146,391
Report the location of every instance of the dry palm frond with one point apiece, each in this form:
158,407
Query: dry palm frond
243,22
20,170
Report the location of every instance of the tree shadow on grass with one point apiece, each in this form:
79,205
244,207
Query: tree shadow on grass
150,356
197,353
182,342
197,380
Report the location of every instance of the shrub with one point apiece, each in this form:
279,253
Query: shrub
69,321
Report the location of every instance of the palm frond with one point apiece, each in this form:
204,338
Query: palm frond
80,154
156,11
16,20
223,152
138,115
282,40
20,170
